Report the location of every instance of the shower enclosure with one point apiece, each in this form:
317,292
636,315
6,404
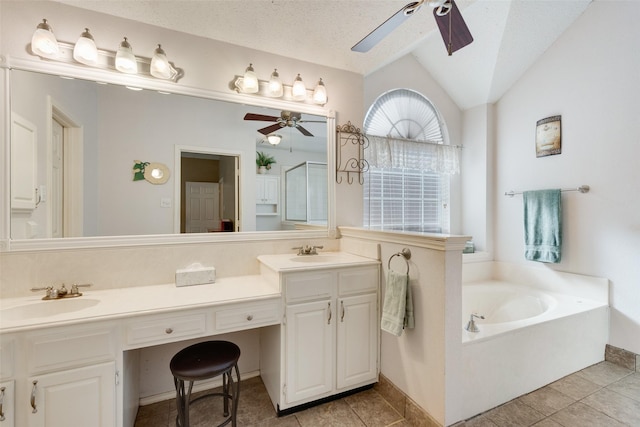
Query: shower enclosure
306,193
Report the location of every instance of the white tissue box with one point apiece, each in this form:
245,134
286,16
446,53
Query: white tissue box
195,276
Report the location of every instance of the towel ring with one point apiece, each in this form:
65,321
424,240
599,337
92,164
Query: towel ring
405,253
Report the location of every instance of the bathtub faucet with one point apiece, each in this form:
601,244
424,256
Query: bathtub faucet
471,326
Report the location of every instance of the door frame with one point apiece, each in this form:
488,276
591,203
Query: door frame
179,149
73,170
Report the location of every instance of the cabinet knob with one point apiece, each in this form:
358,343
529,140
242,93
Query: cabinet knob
168,331
250,317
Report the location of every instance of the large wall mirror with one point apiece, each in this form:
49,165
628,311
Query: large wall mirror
102,161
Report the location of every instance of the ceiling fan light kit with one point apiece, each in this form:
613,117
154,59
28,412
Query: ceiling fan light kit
85,53
453,29
273,88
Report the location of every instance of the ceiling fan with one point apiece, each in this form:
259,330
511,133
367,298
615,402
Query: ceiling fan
453,29
286,119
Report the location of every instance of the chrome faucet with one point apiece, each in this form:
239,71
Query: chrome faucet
308,250
62,292
471,326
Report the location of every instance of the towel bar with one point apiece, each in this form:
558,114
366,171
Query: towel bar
405,253
582,189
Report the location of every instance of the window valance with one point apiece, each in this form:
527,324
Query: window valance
388,152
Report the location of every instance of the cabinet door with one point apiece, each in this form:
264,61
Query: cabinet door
309,350
7,404
357,342
76,397
271,190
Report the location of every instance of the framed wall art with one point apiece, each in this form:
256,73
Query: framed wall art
548,136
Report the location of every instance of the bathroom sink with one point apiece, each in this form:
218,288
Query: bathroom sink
315,258
46,308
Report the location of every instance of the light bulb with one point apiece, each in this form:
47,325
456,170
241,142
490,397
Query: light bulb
43,42
85,50
250,80
275,85
125,60
298,91
160,66
274,139
320,93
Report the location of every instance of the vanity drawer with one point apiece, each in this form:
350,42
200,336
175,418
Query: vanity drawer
358,280
312,285
69,347
247,316
165,328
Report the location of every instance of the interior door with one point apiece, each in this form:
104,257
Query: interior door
202,209
56,187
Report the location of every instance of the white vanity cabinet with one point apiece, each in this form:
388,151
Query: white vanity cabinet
329,334
61,377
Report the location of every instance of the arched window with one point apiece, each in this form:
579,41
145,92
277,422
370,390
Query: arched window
407,184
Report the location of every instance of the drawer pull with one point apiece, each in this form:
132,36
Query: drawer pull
168,331
33,397
1,404
250,317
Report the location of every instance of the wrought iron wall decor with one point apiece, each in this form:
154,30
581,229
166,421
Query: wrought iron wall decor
350,161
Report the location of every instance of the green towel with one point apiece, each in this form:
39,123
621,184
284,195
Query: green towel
542,225
397,310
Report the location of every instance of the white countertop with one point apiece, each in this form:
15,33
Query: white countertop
126,302
293,262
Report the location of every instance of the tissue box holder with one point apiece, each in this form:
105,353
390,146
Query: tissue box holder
197,276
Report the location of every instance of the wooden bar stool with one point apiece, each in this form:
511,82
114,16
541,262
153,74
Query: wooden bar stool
203,361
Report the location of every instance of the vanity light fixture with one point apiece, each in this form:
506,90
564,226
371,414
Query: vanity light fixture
248,83
298,91
250,80
125,60
274,139
160,66
275,89
85,50
320,93
43,42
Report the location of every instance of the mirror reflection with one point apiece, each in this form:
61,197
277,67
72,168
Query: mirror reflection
91,159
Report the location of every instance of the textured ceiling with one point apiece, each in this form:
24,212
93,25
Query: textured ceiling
509,34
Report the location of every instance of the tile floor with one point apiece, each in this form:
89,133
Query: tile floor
603,395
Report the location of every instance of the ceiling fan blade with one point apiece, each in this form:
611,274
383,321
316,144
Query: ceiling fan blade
261,117
453,29
304,131
270,129
384,29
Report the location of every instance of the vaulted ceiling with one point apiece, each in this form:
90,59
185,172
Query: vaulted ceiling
509,35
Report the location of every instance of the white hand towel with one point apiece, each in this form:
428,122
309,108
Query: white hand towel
394,309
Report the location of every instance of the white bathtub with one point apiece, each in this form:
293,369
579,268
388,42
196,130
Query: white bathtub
509,306
540,325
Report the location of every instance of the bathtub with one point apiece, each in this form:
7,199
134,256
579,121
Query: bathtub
540,325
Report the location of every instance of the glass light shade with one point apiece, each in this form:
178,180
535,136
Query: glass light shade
320,93
250,81
274,139
298,91
85,50
43,42
275,85
160,66
125,60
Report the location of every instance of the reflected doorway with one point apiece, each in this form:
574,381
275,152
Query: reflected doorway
209,191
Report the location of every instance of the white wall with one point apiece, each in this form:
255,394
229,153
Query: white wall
590,76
